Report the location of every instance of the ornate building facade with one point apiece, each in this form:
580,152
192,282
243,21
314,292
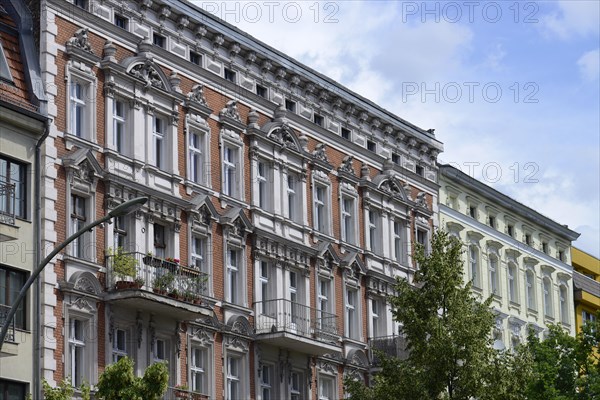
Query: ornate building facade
281,206
23,126
512,253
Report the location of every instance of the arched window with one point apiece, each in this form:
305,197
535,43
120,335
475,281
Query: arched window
493,272
512,282
564,308
530,289
547,288
474,263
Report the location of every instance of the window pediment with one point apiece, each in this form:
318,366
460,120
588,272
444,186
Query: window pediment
83,169
146,70
237,224
203,212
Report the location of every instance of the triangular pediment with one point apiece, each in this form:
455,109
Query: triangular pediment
146,70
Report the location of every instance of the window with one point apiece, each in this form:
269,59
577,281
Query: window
121,21
159,40
198,165
374,231
474,263
547,289
160,244
160,350
493,270
293,287
233,378
266,379
296,383
11,282
371,145
561,255
265,281
4,68
264,183
352,314
377,318
420,170
77,359
530,289
528,239
451,201
422,238
81,3
564,305
321,215
326,388
120,232
198,253
119,341
195,58
290,105
492,221
261,91
229,75
473,212
346,134
158,134
396,158
588,317
545,247
230,173
13,190
318,119
294,206
348,219
323,296
510,229
398,241
78,109
512,284
198,369
234,281
78,221
119,125
12,390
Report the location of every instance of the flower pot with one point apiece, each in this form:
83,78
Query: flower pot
120,285
159,291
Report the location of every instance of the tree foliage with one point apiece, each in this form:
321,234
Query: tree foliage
119,382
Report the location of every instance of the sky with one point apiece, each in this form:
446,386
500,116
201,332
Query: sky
512,88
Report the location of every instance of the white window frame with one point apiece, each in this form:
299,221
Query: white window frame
86,78
200,259
117,352
203,369
493,274
120,133
330,381
160,139
77,367
399,233
321,209
348,220
547,297
267,386
232,168
296,392
352,312
196,154
512,271
264,185
89,368
474,265
293,191
5,73
241,379
235,292
563,293
530,289
378,312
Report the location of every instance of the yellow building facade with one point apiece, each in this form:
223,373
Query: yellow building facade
586,282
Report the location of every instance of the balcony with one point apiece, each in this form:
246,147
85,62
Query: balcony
9,348
155,284
174,393
283,323
391,346
8,229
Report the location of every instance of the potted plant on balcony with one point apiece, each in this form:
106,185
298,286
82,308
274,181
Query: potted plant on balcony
181,392
163,282
124,266
152,261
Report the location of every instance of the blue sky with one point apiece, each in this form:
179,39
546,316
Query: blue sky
512,88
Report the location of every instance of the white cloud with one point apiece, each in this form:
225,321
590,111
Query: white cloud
573,18
589,65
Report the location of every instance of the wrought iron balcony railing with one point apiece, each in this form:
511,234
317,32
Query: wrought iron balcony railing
4,310
162,276
391,346
7,203
282,315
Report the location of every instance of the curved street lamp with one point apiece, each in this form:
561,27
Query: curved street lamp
122,209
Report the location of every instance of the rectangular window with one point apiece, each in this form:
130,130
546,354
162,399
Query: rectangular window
346,134
265,287
374,232
398,247
230,171
77,359
512,276
11,283
422,237
160,244
348,221
492,221
159,40
261,91
561,255
195,58
473,212
318,119
121,22
293,287
296,382
13,190
81,3
159,352
378,317
229,75
233,277
493,267
119,348
158,133
530,289
198,370
371,145
326,388
78,109
420,170
12,390
78,221
120,232
352,316
320,208
324,305
528,240
4,68
266,381
510,229
198,253
396,158
119,121
545,247
293,190
233,378
290,105
196,157
263,180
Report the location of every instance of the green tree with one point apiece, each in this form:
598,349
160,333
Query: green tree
448,332
565,367
119,382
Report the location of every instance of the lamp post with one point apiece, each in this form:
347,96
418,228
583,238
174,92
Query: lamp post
122,209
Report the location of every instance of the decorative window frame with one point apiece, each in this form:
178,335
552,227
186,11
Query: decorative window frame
238,348
327,371
452,197
353,285
199,337
196,124
347,190
516,281
241,274
564,316
472,202
270,171
77,71
228,138
129,328
299,193
421,223
532,303
85,309
320,178
493,253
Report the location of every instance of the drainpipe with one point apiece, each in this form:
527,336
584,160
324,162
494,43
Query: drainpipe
37,312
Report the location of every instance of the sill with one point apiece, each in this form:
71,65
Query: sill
357,342
82,261
514,304
238,307
71,139
531,311
227,200
195,186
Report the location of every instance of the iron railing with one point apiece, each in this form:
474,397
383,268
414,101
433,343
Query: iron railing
282,315
4,310
391,346
175,393
162,276
7,203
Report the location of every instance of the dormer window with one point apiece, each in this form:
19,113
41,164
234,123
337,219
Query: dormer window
4,69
